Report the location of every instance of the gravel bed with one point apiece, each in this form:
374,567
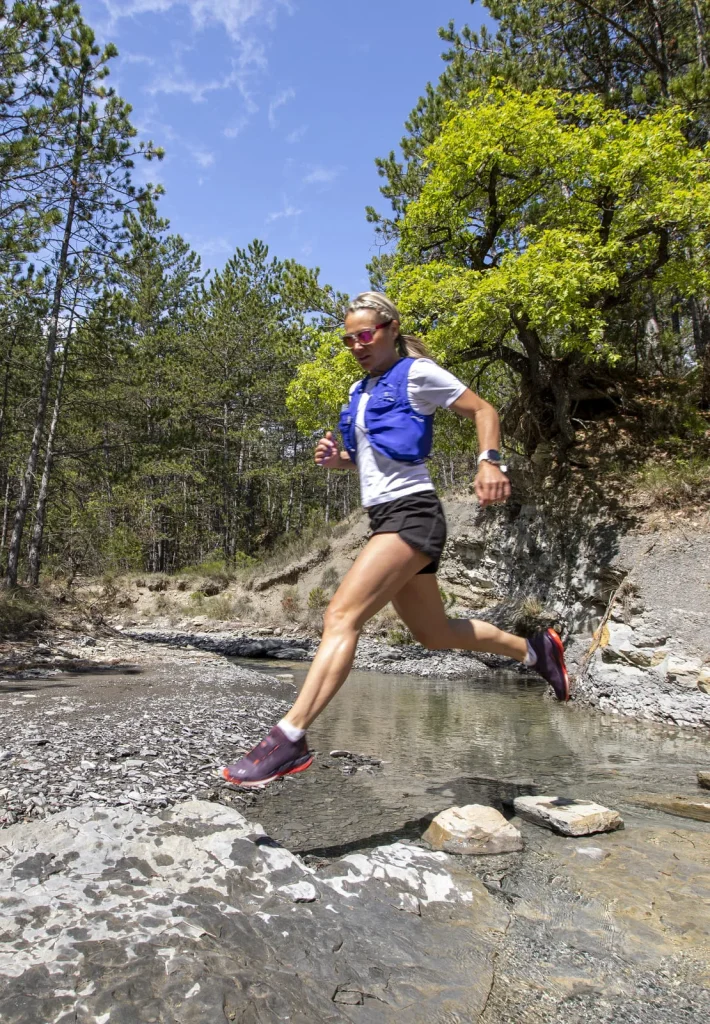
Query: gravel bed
144,732
372,654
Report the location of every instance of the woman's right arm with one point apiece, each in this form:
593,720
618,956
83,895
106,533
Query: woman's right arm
328,456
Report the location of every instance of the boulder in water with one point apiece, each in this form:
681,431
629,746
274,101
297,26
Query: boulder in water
473,829
567,816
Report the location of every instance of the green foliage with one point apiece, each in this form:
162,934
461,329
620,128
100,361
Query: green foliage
399,636
674,484
539,218
318,599
21,612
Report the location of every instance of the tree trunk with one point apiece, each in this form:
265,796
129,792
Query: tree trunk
4,514
703,62
5,387
13,555
40,512
700,316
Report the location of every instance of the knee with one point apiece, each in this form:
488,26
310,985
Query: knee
340,619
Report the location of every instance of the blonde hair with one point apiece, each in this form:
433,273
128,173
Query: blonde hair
407,344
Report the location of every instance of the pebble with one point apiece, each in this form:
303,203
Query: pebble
143,751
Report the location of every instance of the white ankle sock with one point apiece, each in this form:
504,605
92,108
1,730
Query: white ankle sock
530,657
290,731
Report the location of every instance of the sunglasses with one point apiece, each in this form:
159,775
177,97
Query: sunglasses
365,337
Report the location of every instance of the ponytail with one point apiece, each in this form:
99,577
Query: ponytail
407,344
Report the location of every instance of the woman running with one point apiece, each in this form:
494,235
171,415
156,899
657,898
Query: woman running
387,434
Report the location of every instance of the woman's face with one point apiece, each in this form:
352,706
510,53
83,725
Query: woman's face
380,353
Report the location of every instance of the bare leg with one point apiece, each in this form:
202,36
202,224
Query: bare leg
380,570
418,603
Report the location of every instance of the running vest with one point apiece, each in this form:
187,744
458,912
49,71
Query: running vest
393,427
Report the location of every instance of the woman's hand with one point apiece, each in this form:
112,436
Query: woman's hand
327,455
491,484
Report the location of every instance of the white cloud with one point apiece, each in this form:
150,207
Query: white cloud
321,175
296,135
202,157
233,15
137,58
288,211
235,129
279,101
171,83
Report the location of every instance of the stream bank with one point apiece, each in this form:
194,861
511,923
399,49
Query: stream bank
185,897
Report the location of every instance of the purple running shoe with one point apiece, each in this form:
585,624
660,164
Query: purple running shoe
275,756
550,662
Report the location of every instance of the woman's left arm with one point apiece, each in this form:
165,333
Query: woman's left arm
491,484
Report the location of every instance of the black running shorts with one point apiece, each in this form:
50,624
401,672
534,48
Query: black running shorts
418,519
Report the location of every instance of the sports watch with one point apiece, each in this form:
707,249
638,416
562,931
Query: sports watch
493,456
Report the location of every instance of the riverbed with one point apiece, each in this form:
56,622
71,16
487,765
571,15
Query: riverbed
605,929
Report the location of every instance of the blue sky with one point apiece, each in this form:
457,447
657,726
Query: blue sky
271,113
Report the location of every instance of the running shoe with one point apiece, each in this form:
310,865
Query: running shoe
550,662
275,756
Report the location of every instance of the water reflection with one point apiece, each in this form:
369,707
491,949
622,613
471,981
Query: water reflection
435,730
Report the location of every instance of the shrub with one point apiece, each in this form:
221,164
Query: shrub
20,612
161,603
291,603
399,636
317,599
330,577
219,608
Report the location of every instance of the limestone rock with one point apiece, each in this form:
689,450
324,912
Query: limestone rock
567,816
181,916
683,806
300,892
473,829
704,779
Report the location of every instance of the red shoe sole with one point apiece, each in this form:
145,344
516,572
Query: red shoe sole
560,651
264,782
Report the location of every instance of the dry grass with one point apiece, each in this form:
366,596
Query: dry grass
674,484
22,611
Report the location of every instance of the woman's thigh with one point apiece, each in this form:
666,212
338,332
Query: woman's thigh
418,604
381,569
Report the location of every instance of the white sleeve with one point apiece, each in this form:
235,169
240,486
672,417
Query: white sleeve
431,387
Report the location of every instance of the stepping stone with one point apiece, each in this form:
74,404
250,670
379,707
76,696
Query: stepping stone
567,816
683,806
473,829
704,779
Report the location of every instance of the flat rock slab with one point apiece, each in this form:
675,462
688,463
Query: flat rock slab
567,816
473,829
704,779
194,915
683,806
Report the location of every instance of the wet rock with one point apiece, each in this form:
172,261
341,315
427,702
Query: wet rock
704,779
683,806
182,916
473,829
567,816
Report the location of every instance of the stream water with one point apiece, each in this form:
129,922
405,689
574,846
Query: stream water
434,734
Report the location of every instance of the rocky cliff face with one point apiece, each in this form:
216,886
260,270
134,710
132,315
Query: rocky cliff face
634,605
